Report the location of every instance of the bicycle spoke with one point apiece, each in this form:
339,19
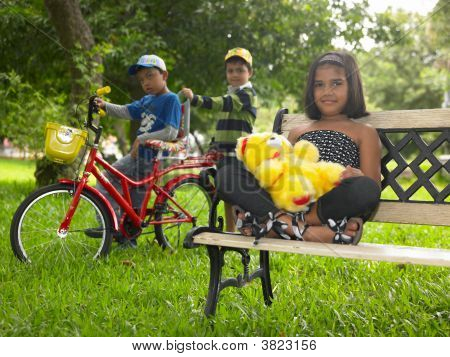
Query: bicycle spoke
80,243
39,230
31,218
195,200
66,248
37,225
172,226
42,244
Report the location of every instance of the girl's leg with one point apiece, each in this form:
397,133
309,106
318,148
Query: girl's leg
354,199
317,232
229,219
237,186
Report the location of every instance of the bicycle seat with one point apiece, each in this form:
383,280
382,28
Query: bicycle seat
171,146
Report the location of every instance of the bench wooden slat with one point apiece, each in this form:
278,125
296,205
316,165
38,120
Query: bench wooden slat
387,253
413,213
393,119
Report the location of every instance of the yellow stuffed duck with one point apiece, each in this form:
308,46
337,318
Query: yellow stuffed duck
323,175
255,148
293,175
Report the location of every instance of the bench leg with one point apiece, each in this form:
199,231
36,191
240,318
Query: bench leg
214,222
215,274
265,277
216,285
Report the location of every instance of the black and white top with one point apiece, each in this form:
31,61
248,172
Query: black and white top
334,146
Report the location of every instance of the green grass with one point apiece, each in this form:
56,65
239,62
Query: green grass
17,170
152,292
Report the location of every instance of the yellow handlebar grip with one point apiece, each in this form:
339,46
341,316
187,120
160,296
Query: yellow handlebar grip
102,91
101,112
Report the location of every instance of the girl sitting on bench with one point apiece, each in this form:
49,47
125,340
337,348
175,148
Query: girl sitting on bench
334,98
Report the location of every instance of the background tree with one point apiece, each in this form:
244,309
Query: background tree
75,36
192,37
409,68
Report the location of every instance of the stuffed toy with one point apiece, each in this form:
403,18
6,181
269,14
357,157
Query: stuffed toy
293,175
255,148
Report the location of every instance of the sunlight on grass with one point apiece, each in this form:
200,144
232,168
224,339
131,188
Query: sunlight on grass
17,170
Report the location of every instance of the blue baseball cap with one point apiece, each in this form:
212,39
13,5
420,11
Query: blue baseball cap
147,61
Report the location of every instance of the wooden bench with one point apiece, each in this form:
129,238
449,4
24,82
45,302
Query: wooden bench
406,126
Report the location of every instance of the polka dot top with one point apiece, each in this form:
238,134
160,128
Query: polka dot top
334,146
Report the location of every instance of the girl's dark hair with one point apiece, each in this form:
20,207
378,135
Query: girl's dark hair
356,106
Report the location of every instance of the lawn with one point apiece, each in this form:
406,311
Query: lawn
149,292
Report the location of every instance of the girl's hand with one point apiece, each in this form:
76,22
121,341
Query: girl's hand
100,103
351,172
188,93
135,149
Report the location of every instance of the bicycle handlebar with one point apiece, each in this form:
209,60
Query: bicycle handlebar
93,108
102,91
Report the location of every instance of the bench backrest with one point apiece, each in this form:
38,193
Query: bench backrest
400,130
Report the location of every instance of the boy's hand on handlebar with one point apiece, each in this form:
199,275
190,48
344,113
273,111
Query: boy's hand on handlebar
135,149
100,103
188,93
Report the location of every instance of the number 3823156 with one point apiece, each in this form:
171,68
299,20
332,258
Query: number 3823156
288,345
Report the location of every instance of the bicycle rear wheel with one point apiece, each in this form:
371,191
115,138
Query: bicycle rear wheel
195,198
34,227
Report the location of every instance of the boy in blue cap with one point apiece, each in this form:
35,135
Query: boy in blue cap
159,114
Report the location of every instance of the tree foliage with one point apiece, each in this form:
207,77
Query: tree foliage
409,68
22,105
284,37
192,36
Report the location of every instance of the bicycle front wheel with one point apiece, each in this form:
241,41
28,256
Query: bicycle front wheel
195,198
35,224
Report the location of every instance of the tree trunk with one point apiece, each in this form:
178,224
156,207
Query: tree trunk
73,31
74,35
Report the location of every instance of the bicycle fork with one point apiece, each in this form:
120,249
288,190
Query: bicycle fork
65,224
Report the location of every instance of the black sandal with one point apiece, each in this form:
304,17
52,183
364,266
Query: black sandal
339,226
359,231
279,227
275,225
260,230
299,231
247,223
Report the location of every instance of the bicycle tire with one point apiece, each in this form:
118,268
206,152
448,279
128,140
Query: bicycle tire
162,235
33,231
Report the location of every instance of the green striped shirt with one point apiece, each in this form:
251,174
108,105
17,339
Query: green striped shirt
238,114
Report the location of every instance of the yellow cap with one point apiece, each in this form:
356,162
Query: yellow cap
240,52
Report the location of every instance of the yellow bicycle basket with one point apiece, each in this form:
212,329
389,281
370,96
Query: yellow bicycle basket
62,143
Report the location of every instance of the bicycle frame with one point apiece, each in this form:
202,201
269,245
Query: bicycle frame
124,200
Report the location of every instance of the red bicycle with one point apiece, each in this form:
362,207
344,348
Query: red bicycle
50,224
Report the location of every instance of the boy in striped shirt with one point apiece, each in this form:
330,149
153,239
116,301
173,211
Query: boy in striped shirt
237,106
237,109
